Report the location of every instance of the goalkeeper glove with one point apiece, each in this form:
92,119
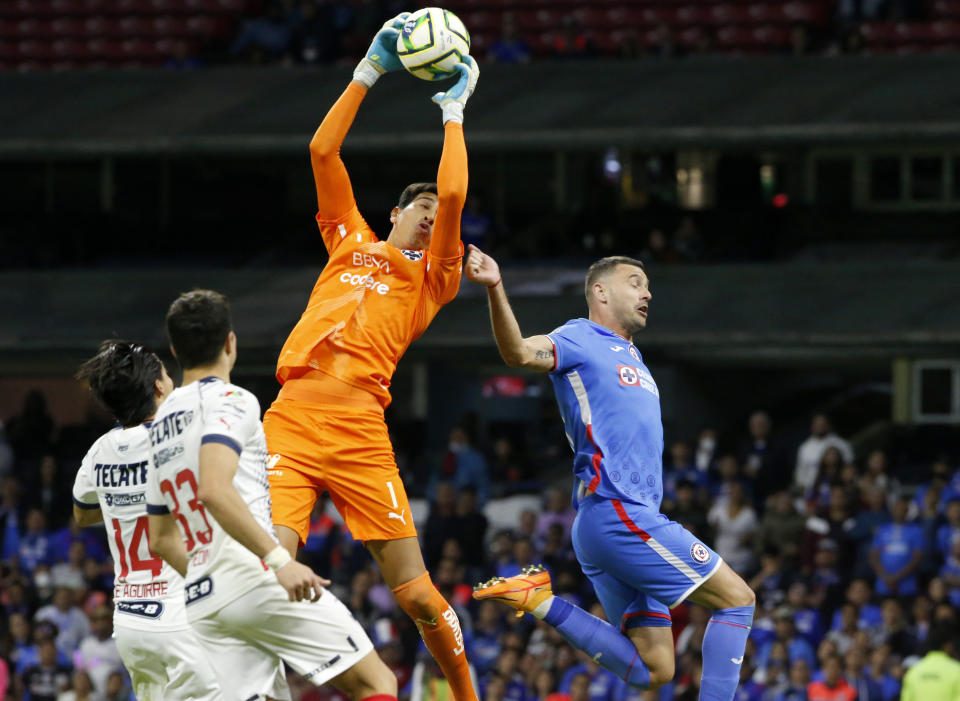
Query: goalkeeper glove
382,55
455,99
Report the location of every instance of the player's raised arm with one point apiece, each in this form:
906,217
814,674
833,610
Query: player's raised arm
334,192
532,352
452,174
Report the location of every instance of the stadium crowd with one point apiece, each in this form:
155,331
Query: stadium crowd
852,569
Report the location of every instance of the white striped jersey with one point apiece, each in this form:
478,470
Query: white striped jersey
113,478
210,411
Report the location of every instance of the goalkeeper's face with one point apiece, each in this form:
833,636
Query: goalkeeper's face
413,225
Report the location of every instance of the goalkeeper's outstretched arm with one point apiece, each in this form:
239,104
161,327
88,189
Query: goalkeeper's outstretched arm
334,192
452,174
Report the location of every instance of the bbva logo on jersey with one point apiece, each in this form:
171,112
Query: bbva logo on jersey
637,377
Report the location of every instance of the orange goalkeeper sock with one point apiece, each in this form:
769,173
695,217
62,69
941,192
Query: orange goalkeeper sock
440,629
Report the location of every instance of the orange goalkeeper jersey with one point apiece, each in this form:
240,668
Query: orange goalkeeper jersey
372,300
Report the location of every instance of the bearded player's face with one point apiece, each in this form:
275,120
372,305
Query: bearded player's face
629,291
414,223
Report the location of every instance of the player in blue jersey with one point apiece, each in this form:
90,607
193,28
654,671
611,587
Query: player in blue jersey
641,564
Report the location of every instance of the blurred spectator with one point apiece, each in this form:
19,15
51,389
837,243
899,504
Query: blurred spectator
855,674
864,530
11,514
81,689
35,546
69,619
98,654
688,512
806,618
858,594
22,651
781,528
508,47
470,527
30,433
573,41
796,689
313,39
949,533
117,688
735,523
706,451
70,573
812,449
45,680
465,466
843,637
885,672
762,458
833,523
440,522
949,574
508,470
267,36
828,474
785,632
770,580
893,629
556,510
877,475
898,550
50,493
833,687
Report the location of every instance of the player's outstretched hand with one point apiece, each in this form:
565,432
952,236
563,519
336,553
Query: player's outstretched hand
455,99
481,268
301,582
382,55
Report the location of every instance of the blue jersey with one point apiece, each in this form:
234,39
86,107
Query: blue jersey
611,413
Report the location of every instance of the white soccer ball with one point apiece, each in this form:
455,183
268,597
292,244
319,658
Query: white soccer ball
432,42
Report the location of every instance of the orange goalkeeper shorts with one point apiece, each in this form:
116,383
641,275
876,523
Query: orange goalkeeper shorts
343,449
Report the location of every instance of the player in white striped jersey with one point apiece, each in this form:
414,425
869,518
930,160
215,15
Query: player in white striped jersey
209,503
160,650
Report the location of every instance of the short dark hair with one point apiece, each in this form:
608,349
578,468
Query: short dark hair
198,323
604,266
411,191
943,634
122,376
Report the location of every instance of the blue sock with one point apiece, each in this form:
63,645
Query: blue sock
600,640
723,645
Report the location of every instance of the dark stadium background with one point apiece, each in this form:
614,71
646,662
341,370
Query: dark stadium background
788,171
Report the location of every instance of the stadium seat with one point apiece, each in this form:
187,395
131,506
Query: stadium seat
725,14
946,30
692,14
482,21
8,29
67,27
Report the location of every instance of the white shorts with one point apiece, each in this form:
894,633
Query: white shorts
170,664
319,640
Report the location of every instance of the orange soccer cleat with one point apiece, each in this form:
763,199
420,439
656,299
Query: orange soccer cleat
524,591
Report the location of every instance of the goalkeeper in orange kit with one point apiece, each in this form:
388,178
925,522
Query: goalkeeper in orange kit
326,430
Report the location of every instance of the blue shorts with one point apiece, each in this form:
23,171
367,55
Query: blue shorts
640,563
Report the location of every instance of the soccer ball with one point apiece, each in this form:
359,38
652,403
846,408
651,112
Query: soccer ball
432,42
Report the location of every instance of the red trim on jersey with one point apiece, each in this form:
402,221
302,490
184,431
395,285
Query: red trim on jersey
597,457
634,528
